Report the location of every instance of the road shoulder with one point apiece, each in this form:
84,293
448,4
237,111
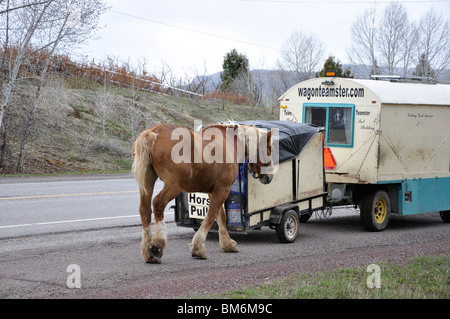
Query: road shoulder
62,178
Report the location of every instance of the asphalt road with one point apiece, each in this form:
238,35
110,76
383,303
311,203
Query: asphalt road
50,224
38,205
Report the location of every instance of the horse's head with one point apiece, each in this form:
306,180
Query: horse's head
259,151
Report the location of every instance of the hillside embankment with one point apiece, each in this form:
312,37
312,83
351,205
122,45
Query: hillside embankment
92,130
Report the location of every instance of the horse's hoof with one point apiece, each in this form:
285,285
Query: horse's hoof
150,259
229,247
154,260
199,257
233,249
156,252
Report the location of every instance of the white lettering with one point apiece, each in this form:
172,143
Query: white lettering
205,310
374,280
74,279
246,308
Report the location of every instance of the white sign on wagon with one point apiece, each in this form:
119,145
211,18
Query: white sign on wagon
198,204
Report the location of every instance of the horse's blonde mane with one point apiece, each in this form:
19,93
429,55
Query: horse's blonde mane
249,135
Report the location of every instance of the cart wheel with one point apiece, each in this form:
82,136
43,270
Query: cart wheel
375,211
445,215
287,230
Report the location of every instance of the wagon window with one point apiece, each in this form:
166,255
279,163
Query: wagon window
316,116
340,125
337,119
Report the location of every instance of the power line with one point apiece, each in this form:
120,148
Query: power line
343,2
193,30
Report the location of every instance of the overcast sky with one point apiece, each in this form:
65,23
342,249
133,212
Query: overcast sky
187,34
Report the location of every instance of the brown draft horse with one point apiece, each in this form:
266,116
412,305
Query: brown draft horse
201,161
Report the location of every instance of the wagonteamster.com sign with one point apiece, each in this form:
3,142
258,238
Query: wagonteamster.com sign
330,92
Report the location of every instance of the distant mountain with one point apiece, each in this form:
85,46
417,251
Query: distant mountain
273,83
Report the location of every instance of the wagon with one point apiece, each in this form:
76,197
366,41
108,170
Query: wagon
296,191
387,143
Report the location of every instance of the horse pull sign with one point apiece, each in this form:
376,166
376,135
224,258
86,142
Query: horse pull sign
198,204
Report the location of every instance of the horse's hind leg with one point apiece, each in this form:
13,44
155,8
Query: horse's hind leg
145,211
159,240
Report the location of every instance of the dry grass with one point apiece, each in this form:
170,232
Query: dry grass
85,130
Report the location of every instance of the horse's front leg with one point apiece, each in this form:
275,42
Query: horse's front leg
198,248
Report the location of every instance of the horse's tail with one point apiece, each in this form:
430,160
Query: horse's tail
143,154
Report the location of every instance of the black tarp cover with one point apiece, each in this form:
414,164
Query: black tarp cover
293,137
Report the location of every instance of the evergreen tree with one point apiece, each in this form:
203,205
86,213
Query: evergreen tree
332,65
423,68
234,64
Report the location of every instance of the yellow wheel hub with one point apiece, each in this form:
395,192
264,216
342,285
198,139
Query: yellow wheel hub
380,210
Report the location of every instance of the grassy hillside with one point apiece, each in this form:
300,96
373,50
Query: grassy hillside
92,130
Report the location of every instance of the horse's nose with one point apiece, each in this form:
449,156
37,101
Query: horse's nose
266,179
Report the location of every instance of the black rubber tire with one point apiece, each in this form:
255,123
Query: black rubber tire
375,210
287,230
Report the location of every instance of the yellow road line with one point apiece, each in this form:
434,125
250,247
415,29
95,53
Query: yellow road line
67,195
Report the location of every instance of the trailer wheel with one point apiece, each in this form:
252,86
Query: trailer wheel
375,210
445,215
287,230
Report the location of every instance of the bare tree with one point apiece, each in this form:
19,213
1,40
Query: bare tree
410,49
54,100
131,115
257,87
392,36
9,9
28,19
247,86
302,53
104,111
391,40
25,18
30,116
166,76
434,42
133,118
4,17
284,80
364,35
66,23
201,80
